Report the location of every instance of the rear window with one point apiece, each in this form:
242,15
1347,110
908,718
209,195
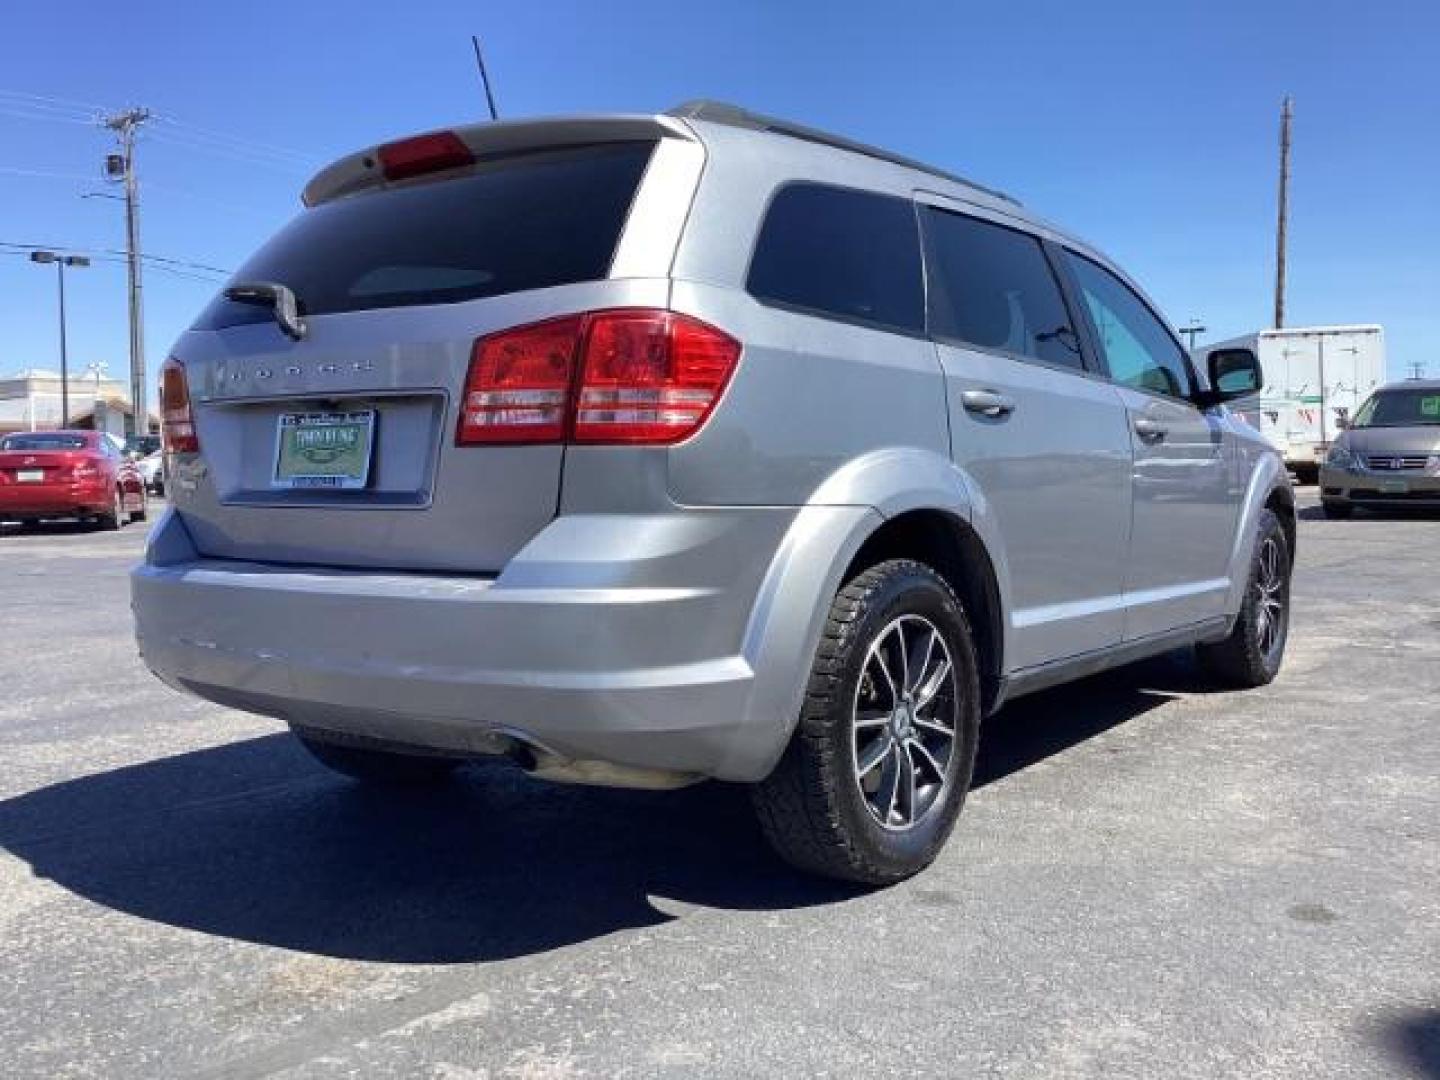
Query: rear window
840,253
44,441
528,221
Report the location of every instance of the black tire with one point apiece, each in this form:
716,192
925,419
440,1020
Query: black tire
813,807
1307,474
1336,510
1244,659
387,768
114,518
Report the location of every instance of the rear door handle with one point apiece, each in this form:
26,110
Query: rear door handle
988,403
1150,430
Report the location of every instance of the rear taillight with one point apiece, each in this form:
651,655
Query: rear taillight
518,388
177,426
624,376
650,376
423,154
85,469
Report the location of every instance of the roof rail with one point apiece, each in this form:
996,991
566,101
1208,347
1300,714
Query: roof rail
719,112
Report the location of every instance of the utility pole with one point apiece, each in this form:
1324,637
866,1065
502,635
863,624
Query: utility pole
121,167
1286,113
1191,332
1417,369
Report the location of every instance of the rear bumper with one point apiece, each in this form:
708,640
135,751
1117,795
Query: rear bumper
53,500
561,651
1380,490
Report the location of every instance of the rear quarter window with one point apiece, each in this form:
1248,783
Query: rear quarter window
528,221
840,253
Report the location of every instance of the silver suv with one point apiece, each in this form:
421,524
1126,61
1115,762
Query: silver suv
644,450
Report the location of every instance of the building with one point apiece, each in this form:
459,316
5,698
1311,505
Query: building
30,401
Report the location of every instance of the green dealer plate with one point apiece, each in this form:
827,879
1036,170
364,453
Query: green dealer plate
323,450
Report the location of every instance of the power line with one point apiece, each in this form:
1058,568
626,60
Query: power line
116,251
44,174
234,153
54,102
179,133
156,262
120,260
6,109
196,131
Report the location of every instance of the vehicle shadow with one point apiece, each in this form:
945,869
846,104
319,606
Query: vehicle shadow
1414,1039
64,527
1385,513
254,841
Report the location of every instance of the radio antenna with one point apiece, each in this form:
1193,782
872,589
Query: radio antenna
484,77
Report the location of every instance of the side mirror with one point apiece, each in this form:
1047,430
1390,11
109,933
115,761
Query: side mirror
1234,373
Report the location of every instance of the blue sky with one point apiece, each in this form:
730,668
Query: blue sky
1148,128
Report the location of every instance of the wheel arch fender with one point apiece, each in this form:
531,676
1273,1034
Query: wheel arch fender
789,613
1269,485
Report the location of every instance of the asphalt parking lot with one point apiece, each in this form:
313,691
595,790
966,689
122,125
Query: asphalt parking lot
1150,880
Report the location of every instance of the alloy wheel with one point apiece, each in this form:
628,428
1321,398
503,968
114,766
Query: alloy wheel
904,722
1269,597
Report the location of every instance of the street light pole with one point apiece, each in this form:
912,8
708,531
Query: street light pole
64,351
62,261
1192,331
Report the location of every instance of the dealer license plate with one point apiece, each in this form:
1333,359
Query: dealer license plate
323,450
30,476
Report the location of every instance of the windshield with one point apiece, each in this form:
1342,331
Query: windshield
45,440
1400,408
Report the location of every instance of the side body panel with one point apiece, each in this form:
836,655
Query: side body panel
1054,478
1186,496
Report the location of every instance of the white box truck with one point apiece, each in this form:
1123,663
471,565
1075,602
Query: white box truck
1314,377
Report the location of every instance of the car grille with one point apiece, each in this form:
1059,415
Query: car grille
1361,495
1396,464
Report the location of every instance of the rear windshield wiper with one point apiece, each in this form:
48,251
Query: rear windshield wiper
280,299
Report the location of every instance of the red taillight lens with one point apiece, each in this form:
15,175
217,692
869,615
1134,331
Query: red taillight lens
177,426
85,469
423,154
650,376
519,384
623,376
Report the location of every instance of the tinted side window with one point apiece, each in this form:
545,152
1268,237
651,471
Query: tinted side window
992,286
844,253
1138,349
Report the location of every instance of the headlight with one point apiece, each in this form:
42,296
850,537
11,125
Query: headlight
1342,457
1432,465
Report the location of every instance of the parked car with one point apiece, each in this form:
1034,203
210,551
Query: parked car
637,449
65,474
152,472
141,445
1390,455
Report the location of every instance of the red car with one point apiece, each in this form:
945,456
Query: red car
65,474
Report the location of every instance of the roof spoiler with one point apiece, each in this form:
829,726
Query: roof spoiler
365,169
